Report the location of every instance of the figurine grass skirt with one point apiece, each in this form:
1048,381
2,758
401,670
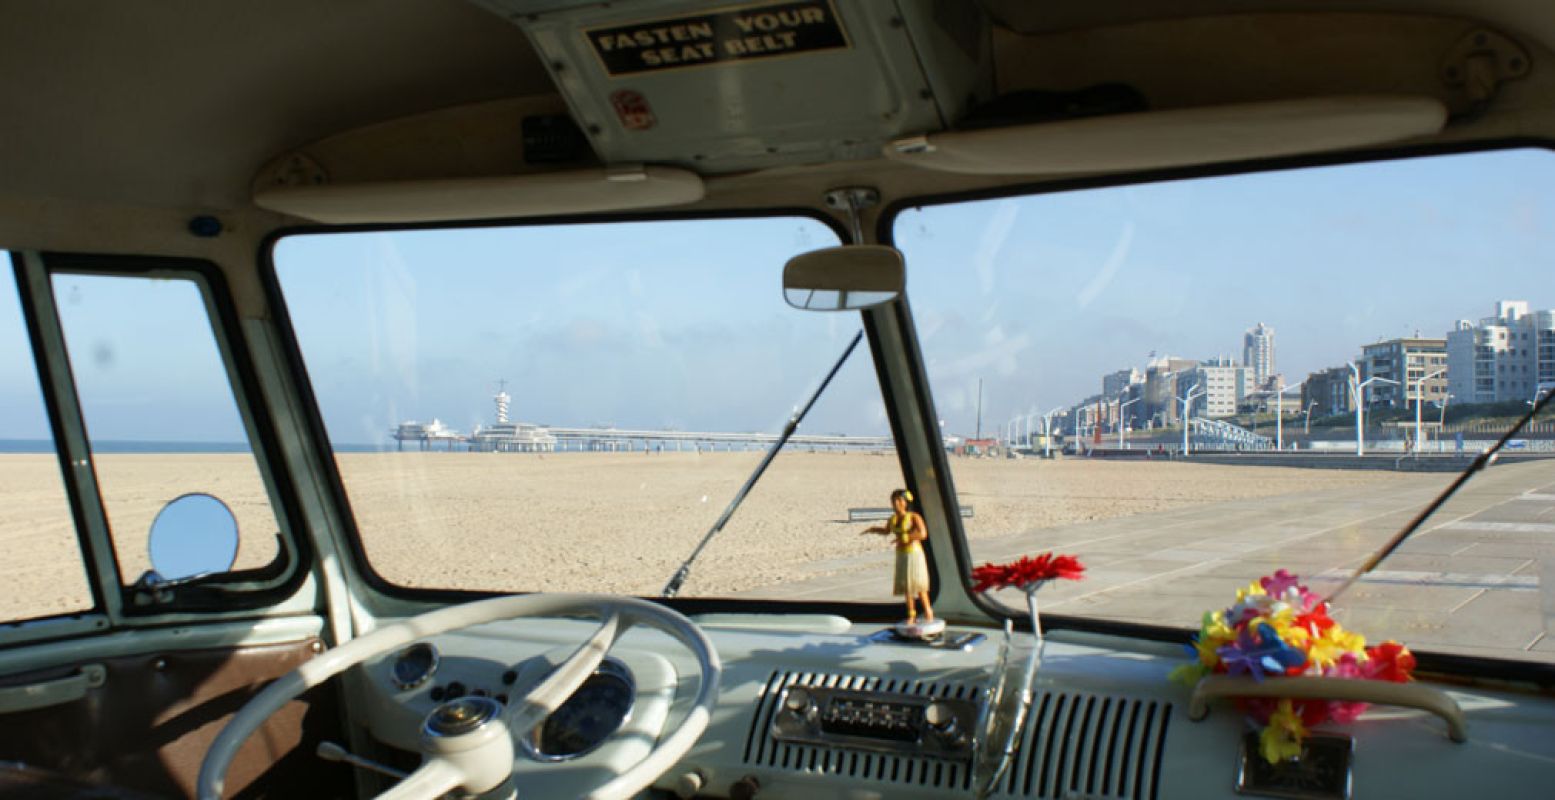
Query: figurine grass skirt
912,571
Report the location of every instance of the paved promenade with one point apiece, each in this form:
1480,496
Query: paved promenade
1468,582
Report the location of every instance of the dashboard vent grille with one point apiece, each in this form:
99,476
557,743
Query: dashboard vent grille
1089,745
761,749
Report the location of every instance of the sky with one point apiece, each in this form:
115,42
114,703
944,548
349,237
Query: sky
1041,296
682,325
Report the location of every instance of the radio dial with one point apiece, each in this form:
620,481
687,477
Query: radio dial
798,701
941,719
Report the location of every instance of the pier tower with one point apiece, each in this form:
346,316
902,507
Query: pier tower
502,400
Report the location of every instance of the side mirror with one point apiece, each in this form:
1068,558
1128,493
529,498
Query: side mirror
847,278
195,534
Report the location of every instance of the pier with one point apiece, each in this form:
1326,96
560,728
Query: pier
526,437
540,439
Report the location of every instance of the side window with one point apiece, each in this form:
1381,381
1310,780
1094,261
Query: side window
160,413
42,569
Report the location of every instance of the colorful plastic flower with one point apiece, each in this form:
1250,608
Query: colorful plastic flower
1389,661
1281,738
1026,571
1260,653
1335,642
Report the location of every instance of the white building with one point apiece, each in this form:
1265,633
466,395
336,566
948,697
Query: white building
1224,384
1505,357
1258,352
511,437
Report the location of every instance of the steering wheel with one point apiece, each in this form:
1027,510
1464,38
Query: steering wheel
467,743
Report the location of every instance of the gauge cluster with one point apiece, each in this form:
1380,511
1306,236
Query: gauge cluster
595,711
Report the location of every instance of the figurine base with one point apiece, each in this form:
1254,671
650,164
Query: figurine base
920,630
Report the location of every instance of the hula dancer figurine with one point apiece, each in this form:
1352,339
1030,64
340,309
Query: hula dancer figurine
908,531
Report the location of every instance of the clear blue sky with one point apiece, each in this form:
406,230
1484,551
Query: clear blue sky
682,325
645,325
1041,296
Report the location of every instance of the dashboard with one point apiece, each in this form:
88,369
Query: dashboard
817,707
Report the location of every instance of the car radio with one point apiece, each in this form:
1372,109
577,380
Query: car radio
939,727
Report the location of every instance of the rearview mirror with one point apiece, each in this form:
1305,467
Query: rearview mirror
846,278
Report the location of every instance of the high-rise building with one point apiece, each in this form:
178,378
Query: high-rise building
1258,352
1505,357
1403,362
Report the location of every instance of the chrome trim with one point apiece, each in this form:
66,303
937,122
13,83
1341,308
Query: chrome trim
610,668
461,716
421,679
1323,771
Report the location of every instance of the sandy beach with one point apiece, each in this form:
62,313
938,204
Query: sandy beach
594,521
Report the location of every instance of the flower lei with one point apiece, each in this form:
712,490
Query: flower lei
1277,627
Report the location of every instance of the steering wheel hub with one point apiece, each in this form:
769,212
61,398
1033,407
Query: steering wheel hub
461,716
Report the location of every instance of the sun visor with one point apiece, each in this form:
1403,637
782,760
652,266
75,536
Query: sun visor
1174,138
738,86
544,194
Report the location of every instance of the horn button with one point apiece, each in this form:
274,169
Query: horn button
461,716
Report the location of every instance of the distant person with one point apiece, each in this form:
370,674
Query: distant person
912,567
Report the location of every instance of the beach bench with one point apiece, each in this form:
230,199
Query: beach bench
876,514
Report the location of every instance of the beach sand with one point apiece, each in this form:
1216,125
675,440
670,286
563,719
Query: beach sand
611,522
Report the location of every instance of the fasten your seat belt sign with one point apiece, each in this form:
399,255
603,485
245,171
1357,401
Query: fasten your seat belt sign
741,34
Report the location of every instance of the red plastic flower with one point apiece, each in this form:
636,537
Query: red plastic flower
1389,661
1025,571
1315,621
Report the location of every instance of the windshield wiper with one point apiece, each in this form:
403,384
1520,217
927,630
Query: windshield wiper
679,579
1480,462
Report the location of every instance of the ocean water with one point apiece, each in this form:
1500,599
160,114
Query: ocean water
126,446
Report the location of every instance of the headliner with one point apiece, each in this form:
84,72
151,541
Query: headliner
179,103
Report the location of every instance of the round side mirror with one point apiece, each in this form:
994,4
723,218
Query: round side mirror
195,534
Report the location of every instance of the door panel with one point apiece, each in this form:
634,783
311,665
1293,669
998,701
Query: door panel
147,724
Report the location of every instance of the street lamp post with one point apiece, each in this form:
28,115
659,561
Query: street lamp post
1047,432
1121,425
1420,401
1187,407
1357,393
1279,414
1307,428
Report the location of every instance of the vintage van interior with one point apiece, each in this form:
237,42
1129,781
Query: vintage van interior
500,397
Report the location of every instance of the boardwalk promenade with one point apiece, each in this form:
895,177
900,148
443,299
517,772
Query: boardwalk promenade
1468,582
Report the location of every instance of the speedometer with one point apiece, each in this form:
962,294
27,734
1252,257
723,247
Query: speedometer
596,710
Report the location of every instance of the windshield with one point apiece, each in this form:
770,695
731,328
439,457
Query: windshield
571,408
1340,340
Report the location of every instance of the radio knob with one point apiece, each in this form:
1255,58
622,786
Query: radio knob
798,701
690,784
941,719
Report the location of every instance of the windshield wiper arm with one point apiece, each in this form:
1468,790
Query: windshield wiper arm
679,579
1480,462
